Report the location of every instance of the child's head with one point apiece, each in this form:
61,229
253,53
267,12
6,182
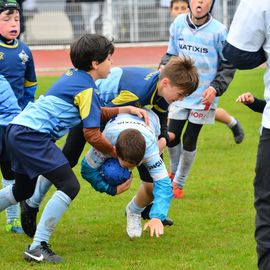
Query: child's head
200,9
91,50
130,148
179,78
178,7
9,19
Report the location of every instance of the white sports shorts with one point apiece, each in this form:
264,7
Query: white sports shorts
194,116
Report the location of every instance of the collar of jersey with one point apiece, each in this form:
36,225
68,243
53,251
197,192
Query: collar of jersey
15,44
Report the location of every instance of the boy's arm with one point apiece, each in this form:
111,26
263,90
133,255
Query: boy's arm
95,178
165,59
30,81
243,59
163,118
162,191
94,137
223,77
162,186
258,105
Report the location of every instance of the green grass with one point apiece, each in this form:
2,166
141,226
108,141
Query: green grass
214,223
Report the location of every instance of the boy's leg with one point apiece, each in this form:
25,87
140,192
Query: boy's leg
6,198
30,207
21,190
13,211
187,157
222,116
174,147
135,207
262,201
67,188
74,145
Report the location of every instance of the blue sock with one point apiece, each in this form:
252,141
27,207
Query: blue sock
13,211
6,198
51,215
42,187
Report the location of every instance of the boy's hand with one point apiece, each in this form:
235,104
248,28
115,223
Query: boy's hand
125,186
161,145
208,96
141,113
156,227
137,111
246,98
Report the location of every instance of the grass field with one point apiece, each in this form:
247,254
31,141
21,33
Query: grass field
213,225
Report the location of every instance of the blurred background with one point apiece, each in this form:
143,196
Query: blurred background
58,22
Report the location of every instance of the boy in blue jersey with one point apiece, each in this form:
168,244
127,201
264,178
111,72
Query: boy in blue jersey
140,87
32,134
125,86
157,187
201,37
17,66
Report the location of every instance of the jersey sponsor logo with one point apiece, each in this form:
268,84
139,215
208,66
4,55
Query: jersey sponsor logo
150,75
2,56
155,165
193,48
198,115
187,47
124,122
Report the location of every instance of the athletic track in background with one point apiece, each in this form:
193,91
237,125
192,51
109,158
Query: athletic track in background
56,61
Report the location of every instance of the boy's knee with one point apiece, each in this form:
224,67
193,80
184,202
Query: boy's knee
174,142
21,195
71,189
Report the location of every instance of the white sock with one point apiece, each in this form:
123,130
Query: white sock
174,155
232,123
186,160
13,211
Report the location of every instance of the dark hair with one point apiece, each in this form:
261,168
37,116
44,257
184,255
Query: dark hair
130,146
182,73
176,1
89,48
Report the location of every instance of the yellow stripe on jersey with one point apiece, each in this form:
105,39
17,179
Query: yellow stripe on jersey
10,46
125,96
153,95
159,109
83,100
29,84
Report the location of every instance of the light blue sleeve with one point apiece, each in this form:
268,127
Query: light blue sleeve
172,46
95,178
163,194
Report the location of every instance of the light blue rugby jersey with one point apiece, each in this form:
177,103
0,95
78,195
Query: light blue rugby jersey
204,45
70,100
121,122
135,86
162,187
9,107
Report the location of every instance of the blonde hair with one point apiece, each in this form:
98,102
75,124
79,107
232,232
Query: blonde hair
182,73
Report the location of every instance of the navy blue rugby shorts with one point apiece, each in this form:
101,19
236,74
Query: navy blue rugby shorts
32,153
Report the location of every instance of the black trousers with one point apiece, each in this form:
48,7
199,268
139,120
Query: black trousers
262,200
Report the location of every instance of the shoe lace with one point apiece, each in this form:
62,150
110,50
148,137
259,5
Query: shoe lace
46,247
